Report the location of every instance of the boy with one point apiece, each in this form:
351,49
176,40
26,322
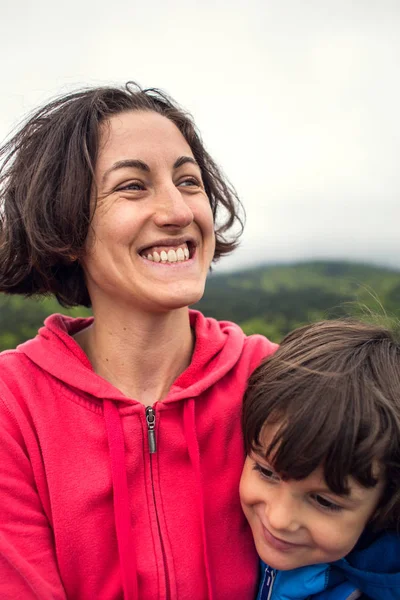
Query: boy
321,482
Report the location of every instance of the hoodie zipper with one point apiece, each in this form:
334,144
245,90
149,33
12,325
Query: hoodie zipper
267,584
151,435
151,432
271,582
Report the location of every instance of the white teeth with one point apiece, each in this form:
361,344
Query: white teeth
170,256
180,255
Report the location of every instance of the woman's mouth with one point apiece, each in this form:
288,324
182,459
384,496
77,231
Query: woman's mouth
165,253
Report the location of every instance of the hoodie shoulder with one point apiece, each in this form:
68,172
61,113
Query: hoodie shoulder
50,355
260,348
221,348
225,334
14,366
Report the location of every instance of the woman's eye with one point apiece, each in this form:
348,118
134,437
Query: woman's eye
133,186
325,503
189,182
266,473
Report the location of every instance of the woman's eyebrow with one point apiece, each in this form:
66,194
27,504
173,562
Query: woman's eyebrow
182,160
135,163
132,163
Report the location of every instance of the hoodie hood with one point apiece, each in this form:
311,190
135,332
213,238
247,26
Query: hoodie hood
218,347
373,566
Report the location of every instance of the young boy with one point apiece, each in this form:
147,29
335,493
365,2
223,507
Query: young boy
321,482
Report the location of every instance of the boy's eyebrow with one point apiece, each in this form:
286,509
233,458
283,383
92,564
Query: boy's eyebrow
352,496
256,452
322,488
327,490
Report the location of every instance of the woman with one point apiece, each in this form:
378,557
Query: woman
121,450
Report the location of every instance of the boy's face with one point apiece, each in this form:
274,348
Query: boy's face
299,523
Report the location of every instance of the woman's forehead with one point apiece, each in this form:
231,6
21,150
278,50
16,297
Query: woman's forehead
139,135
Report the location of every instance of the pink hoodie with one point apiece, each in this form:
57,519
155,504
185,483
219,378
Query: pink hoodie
87,511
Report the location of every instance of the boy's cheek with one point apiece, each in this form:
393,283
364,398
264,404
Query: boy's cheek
247,487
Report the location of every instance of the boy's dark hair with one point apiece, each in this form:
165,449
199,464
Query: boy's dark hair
46,180
333,388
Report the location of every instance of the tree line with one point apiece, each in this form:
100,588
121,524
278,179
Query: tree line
269,299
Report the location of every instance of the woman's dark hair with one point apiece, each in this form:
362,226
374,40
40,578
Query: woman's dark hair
333,390
46,182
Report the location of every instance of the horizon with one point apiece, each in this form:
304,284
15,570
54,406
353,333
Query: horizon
303,261
297,102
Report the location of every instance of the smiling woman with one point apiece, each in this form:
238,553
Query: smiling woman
121,446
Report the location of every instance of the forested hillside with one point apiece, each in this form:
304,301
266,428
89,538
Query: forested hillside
275,299
269,299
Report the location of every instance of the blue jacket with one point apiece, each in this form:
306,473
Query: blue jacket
372,569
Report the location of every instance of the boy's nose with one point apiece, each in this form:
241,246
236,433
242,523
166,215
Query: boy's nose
283,514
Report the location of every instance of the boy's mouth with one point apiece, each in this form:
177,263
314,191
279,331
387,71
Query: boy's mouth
278,543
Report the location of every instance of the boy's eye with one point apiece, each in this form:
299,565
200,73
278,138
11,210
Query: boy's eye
265,472
325,504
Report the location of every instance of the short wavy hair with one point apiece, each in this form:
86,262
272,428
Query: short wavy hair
46,182
333,389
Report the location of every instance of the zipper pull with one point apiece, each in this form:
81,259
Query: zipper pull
151,424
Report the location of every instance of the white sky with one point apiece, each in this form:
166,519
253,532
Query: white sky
298,101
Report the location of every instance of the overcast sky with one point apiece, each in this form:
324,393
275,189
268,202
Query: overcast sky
298,101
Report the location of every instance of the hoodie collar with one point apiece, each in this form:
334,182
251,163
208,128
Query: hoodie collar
218,346
372,568
374,565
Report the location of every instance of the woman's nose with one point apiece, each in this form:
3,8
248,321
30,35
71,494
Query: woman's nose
171,208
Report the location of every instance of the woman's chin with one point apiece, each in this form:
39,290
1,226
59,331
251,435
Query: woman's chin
183,297
168,302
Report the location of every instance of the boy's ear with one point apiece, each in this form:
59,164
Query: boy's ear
387,513
374,522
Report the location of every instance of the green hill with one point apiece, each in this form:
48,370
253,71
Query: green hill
271,299
274,299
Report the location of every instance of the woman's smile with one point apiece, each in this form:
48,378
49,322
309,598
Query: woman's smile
170,251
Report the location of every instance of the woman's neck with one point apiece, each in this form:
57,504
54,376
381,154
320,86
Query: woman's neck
140,354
